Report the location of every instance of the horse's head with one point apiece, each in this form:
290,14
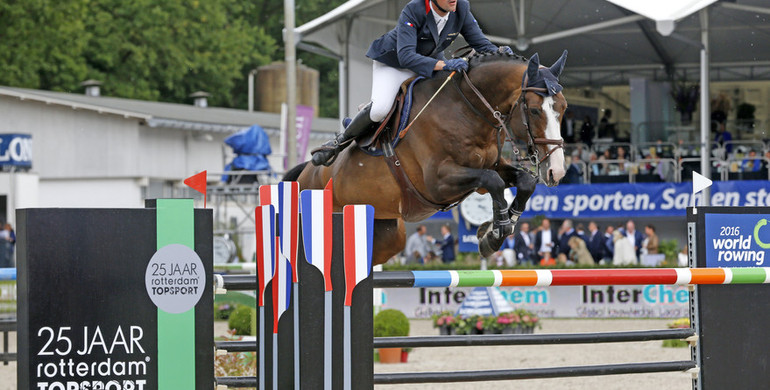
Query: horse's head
542,106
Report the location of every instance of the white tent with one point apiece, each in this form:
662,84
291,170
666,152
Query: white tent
609,41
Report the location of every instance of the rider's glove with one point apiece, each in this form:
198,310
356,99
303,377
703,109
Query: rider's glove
505,50
456,64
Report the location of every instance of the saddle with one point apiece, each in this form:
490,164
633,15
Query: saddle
383,141
389,130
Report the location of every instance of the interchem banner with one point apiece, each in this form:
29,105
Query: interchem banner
648,301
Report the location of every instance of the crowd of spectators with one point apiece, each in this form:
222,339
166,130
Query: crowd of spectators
580,245
603,156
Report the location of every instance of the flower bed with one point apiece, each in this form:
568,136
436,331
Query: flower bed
519,321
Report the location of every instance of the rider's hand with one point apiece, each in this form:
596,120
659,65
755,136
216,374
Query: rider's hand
456,64
505,49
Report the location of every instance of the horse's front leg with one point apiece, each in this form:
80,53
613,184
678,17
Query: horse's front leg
463,179
525,183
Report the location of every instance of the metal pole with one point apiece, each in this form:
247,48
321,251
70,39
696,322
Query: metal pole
705,107
291,82
252,73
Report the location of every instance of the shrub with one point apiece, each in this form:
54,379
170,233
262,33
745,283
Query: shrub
240,320
391,322
223,311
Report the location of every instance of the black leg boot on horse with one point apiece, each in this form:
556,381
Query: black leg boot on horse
361,124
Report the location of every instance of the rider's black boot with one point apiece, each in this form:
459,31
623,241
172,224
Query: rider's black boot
326,153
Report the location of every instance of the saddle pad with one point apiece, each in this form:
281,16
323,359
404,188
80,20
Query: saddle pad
371,148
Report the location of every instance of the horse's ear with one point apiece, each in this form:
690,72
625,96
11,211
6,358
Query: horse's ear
534,65
558,66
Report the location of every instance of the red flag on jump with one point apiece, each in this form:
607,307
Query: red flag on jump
198,183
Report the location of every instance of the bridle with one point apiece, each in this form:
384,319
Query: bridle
503,122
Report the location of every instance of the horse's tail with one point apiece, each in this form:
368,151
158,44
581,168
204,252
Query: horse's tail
293,174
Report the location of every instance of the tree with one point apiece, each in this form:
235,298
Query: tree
41,44
167,49
152,49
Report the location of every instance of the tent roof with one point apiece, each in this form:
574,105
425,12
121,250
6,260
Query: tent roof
607,44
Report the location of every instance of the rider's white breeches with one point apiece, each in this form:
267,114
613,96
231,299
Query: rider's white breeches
386,82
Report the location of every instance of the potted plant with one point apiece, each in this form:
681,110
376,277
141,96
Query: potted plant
507,323
529,321
463,325
445,322
390,323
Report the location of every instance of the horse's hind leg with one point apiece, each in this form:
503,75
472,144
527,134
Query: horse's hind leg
389,239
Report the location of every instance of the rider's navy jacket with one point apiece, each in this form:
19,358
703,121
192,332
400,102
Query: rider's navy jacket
415,43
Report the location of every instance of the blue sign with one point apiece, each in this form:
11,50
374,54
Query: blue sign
16,150
639,200
737,240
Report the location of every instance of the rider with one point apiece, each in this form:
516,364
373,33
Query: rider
414,47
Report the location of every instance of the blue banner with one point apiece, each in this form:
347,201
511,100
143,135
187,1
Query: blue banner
16,150
639,200
737,240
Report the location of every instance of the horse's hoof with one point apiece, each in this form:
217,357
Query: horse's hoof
484,228
488,245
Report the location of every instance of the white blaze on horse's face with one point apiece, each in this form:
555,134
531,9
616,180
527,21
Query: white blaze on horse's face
555,167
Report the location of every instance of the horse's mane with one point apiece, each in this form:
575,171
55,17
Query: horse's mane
482,58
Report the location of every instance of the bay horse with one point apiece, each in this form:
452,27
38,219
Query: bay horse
453,148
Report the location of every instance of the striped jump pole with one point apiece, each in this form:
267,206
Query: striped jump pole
358,239
573,277
317,240
7,273
288,193
265,232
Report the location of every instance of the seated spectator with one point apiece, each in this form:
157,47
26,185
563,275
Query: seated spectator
751,163
723,138
574,173
593,165
622,166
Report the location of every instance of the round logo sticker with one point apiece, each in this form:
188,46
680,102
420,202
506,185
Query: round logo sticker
175,278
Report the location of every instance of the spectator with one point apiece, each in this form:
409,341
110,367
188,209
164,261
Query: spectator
604,165
606,128
723,138
574,173
682,257
751,163
593,165
650,242
566,231
587,131
524,245
623,249
595,241
417,249
622,165
578,253
609,244
635,237
580,230
506,253
545,240
720,107
568,127
447,245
